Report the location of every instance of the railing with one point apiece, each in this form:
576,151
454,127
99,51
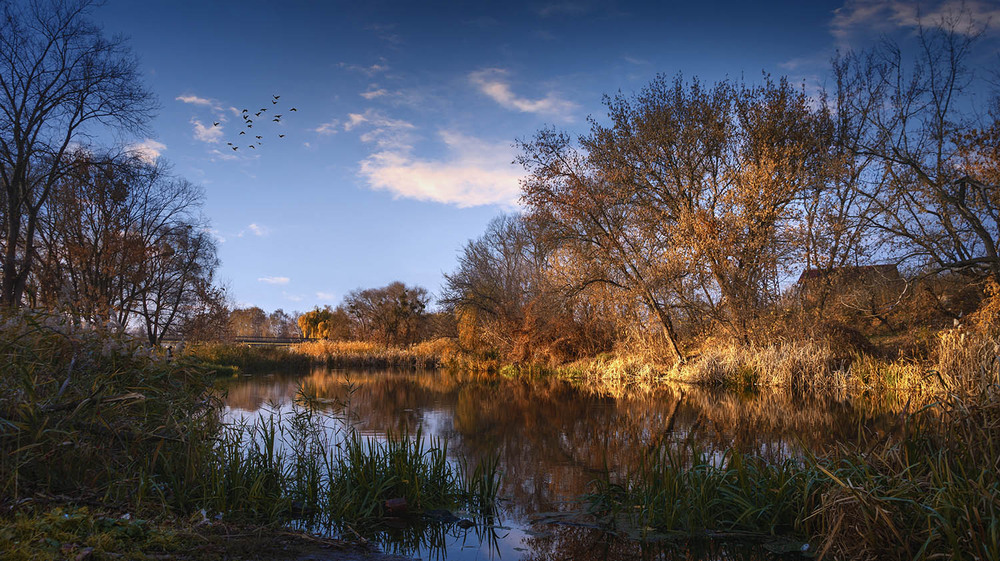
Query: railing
252,341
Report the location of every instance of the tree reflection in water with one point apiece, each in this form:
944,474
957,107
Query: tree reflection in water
554,438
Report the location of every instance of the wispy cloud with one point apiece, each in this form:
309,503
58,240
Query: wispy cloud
274,280
292,297
353,120
195,100
216,235
492,82
326,296
330,127
370,70
219,155
475,173
207,133
568,8
255,229
385,132
860,19
148,150
373,93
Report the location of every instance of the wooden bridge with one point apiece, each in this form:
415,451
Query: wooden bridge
252,341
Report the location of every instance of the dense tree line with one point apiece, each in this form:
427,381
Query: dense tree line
394,314
105,235
692,205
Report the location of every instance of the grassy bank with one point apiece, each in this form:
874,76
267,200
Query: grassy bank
93,419
228,359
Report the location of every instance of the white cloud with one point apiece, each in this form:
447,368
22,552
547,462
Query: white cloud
217,155
255,229
207,133
292,297
491,83
195,100
328,127
274,280
216,235
373,93
475,173
148,150
353,120
367,70
385,132
865,18
327,296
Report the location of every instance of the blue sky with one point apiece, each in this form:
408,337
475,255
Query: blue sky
400,147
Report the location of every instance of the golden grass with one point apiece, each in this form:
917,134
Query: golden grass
363,354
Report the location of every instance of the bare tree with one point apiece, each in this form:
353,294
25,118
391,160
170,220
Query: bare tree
60,80
939,202
393,314
180,268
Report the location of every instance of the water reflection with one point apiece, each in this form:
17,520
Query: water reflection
554,438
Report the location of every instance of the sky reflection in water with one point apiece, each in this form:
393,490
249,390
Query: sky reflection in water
555,437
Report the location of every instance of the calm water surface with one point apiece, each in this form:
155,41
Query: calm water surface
554,438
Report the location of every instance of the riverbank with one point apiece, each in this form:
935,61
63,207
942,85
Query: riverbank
97,420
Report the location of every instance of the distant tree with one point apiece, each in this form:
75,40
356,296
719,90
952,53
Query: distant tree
249,322
283,324
498,275
326,323
393,314
179,271
60,79
208,317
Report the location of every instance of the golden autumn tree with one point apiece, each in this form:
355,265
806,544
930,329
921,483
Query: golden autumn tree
688,193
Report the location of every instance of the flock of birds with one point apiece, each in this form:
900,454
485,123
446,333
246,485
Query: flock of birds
248,122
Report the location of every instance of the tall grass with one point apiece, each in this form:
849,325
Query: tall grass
362,354
934,493
95,418
427,355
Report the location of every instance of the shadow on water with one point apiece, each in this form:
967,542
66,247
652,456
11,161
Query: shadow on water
554,439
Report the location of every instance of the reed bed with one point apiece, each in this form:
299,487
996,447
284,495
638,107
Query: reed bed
361,354
226,358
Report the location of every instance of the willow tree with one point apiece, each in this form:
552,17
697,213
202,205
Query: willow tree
60,81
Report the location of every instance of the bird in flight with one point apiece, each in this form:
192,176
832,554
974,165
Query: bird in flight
281,136
243,132
293,109
215,124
